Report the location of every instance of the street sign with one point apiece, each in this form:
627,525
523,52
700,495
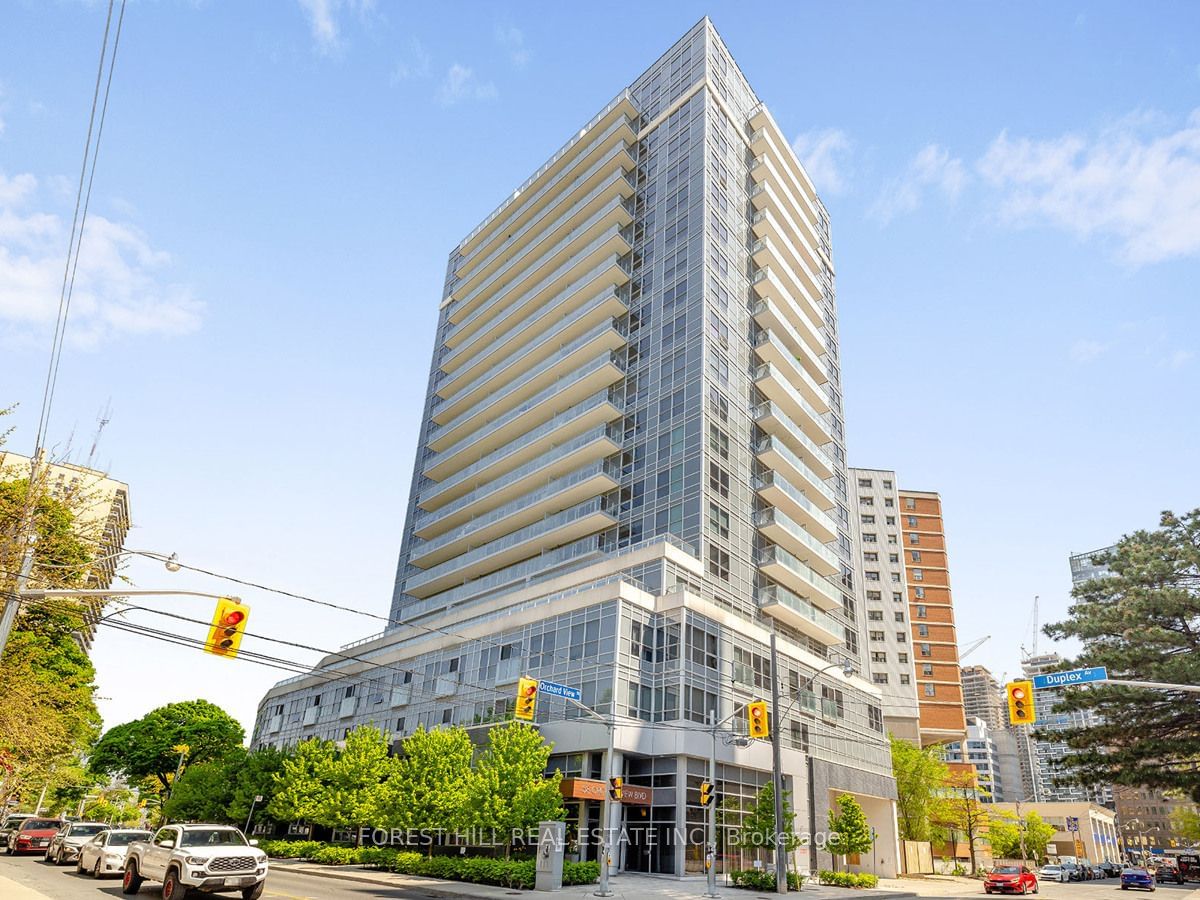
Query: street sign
1072,823
1067,679
553,689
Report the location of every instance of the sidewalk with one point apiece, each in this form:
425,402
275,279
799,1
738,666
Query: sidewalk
11,890
626,886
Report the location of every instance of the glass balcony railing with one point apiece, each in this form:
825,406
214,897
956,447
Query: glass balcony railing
766,370
503,299
773,517
772,479
595,365
771,444
815,356
550,489
774,594
482,345
424,518
533,374
766,338
771,410
465,275
776,555
527,535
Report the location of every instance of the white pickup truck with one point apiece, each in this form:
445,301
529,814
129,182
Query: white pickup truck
210,859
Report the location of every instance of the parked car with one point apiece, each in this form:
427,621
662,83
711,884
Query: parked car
33,835
1168,872
1135,876
64,846
210,858
1111,869
1010,879
1052,872
1073,872
105,853
11,823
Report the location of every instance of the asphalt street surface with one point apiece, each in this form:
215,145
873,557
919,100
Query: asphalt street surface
64,884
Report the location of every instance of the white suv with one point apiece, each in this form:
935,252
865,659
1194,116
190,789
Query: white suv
209,858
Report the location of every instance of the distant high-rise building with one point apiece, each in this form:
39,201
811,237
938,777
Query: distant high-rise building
101,508
1084,566
889,647
983,697
630,474
980,751
931,605
1147,817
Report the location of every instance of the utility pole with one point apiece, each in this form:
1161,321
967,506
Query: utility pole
781,885
710,854
27,532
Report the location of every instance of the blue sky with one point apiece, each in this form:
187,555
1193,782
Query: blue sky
1015,195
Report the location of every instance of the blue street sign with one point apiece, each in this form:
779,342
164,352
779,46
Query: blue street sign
1067,679
554,689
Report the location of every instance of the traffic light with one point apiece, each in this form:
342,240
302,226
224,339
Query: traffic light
756,712
706,793
614,788
1020,703
527,692
228,626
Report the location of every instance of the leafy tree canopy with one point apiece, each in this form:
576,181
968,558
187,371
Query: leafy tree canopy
849,823
921,775
428,789
1004,833
145,748
1143,623
508,790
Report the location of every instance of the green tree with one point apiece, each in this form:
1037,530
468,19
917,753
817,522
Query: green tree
203,792
961,811
352,778
1004,834
300,783
145,747
427,790
758,827
255,778
508,791
1186,823
921,774
848,828
1141,623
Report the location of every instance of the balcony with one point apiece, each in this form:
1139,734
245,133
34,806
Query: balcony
599,286
797,278
573,258
561,528
776,423
592,179
771,349
778,491
572,388
809,703
768,139
616,124
774,454
773,285
447,428
551,246
766,174
780,603
486,461
771,381
779,529
796,329
782,567
590,481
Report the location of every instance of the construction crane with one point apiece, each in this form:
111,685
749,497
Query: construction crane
973,646
1032,627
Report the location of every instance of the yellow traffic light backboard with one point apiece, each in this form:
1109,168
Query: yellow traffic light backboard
706,793
527,692
615,784
228,626
1020,703
756,712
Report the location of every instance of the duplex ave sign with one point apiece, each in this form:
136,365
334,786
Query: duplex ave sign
1069,678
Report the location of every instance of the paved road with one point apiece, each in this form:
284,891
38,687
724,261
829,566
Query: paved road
64,884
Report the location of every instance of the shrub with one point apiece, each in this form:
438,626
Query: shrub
848,879
581,872
336,856
290,849
763,880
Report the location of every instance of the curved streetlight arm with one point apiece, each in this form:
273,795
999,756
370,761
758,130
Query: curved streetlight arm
809,686
43,593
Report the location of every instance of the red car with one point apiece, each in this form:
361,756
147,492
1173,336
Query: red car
33,836
1010,879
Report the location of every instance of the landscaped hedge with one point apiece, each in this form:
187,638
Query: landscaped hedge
848,879
513,873
762,880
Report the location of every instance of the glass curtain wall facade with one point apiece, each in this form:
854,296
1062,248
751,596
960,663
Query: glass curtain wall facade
631,469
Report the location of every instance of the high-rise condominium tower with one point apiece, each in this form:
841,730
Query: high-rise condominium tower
630,472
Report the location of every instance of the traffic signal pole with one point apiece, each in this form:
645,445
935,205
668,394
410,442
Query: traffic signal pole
710,852
781,885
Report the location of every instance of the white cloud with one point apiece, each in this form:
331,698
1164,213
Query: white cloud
461,84
933,168
416,63
1179,359
824,154
512,39
119,285
1136,182
323,21
1085,350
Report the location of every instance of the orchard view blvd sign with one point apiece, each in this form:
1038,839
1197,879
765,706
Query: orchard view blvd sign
554,689
1069,678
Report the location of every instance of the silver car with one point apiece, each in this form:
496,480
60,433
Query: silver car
64,846
105,853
